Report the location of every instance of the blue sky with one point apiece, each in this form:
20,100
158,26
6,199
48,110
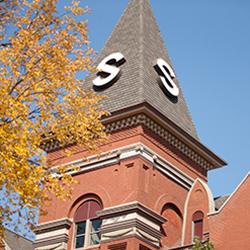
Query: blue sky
209,44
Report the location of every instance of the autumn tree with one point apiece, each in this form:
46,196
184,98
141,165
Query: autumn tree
43,53
199,245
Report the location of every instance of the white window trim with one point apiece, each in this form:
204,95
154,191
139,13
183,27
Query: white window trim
86,237
192,232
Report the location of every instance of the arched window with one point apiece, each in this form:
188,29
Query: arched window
87,224
198,224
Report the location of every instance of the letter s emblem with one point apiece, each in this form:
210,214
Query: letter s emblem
167,75
108,69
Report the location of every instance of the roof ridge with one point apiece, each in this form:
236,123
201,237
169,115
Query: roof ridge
141,49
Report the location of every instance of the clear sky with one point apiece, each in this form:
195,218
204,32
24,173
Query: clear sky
209,44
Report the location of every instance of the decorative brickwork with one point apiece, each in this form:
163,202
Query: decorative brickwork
119,246
168,137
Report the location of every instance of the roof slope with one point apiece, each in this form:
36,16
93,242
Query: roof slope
138,38
16,242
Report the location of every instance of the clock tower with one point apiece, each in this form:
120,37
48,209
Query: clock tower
146,189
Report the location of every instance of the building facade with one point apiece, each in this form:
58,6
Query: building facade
146,188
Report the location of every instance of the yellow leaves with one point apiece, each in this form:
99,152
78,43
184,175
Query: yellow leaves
41,95
75,3
76,9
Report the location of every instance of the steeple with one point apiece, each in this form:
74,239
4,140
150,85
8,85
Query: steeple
151,167
138,38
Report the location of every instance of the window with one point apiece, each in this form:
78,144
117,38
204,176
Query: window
87,224
198,224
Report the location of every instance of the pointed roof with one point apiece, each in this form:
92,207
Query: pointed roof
138,38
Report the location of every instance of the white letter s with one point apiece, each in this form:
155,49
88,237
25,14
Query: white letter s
167,75
108,66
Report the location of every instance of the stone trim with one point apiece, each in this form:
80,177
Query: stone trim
109,158
143,235
97,163
117,235
53,225
129,208
175,174
129,224
51,241
131,219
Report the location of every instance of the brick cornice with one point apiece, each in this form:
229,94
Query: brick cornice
173,135
150,118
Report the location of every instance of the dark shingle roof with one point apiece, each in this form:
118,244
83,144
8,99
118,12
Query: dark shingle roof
16,242
138,38
219,201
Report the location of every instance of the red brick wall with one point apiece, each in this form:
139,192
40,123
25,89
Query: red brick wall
198,200
172,229
127,244
133,182
130,136
229,229
124,244
132,179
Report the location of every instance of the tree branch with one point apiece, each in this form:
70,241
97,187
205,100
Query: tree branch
14,86
5,44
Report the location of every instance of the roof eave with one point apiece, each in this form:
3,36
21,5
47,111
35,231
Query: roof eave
205,152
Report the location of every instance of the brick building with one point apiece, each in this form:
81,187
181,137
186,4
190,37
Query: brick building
147,188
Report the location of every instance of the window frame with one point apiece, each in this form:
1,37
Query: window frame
88,230
198,217
202,225
79,235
